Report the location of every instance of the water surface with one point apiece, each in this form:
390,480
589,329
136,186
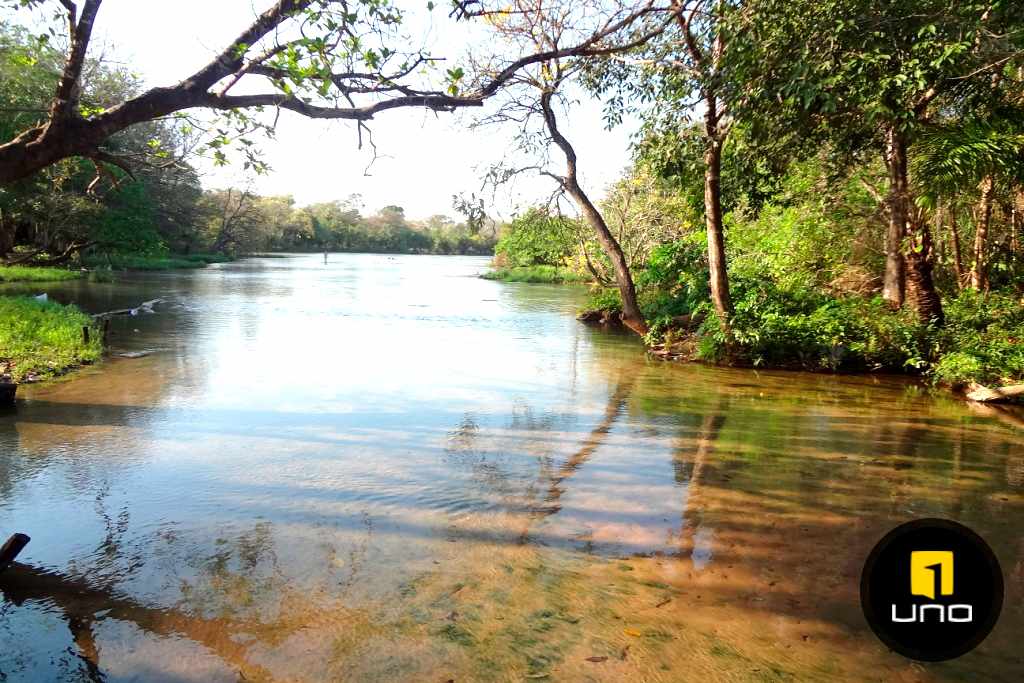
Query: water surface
385,468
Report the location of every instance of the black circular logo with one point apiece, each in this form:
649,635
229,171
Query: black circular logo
932,590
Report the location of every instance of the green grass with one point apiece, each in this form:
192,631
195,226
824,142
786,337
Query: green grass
32,274
545,274
42,339
172,262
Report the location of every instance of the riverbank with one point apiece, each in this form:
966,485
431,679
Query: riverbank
169,262
98,266
37,274
43,339
981,342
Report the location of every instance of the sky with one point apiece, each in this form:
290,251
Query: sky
424,158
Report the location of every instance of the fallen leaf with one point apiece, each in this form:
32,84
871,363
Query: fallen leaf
632,632
597,659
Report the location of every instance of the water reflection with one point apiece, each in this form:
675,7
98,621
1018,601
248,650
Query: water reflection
387,469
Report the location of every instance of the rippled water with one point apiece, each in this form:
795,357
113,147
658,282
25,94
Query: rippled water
385,468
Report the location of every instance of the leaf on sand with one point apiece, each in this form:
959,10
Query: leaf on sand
632,632
597,659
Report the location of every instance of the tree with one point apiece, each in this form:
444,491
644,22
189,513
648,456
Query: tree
49,217
956,157
234,221
667,80
537,237
537,95
323,59
643,212
871,74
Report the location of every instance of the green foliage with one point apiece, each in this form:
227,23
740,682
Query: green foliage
128,225
40,339
984,340
538,274
34,274
804,294
855,65
804,329
750,175
339,226
604,299
673,283
61,205
536,238
956,156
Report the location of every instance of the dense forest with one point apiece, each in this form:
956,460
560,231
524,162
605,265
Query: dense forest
824,185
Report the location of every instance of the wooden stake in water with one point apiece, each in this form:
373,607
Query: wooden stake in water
14,545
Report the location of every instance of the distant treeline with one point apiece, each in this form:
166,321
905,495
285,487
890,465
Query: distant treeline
250,223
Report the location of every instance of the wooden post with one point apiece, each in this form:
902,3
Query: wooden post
106,330
14,545
7,392
85,334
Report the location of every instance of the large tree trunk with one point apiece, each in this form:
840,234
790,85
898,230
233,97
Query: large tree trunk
894,280
909,250
631,315
979,271
7,230
924,297
719,278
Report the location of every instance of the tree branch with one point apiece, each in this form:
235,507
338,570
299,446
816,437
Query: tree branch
67,90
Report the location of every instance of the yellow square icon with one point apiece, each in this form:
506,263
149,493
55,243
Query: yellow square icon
930,569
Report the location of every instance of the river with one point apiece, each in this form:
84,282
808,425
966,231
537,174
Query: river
385,468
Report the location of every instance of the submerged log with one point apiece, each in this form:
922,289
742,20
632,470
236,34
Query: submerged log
7,392
983,394
144,307
14,545
601,317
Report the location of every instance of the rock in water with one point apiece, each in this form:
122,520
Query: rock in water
982,394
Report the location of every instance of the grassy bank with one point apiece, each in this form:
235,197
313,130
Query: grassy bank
545,274
171,262
32,274
42,339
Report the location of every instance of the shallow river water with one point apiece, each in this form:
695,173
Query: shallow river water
384,468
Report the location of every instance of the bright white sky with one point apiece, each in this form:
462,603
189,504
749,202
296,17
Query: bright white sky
429,157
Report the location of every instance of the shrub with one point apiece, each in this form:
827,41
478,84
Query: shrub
537,274
43,338
537,238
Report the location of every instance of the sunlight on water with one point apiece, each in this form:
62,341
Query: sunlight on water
386,468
